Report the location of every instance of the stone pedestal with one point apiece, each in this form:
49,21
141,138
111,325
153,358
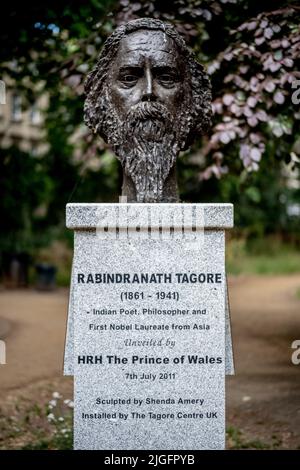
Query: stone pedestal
148,336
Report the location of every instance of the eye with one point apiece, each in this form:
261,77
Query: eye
167,79
128,79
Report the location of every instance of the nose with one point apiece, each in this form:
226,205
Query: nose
148,94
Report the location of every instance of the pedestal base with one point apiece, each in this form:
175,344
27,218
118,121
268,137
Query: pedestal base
148,318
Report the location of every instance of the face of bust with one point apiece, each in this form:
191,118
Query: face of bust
147,67
144,103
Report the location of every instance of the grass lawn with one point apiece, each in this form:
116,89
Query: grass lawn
269,257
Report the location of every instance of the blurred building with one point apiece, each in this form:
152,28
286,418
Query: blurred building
22,125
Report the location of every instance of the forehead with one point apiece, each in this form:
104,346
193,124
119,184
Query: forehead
150,44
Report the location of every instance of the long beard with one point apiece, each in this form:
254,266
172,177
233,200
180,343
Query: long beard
148,163
146,145
149,149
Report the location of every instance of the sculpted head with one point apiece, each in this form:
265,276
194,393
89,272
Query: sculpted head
148,99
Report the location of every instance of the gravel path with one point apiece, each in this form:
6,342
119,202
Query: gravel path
264,395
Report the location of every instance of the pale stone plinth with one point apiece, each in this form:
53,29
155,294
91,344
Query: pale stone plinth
171,241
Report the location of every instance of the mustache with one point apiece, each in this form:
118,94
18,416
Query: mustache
148,110
149,120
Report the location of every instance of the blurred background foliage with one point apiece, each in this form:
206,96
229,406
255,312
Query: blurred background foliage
251,156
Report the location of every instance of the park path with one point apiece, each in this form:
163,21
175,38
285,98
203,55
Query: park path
33,324
264,395
263,398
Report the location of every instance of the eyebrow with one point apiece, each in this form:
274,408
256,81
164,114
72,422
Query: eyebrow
129,66
139,66
139,49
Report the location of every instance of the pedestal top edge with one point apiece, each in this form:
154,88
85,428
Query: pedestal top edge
90,205
127,215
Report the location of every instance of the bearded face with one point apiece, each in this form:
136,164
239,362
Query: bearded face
146,108
142,106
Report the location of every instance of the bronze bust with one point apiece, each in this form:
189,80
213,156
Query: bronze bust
148,98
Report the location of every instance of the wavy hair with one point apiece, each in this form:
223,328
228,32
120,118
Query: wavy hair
199,112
